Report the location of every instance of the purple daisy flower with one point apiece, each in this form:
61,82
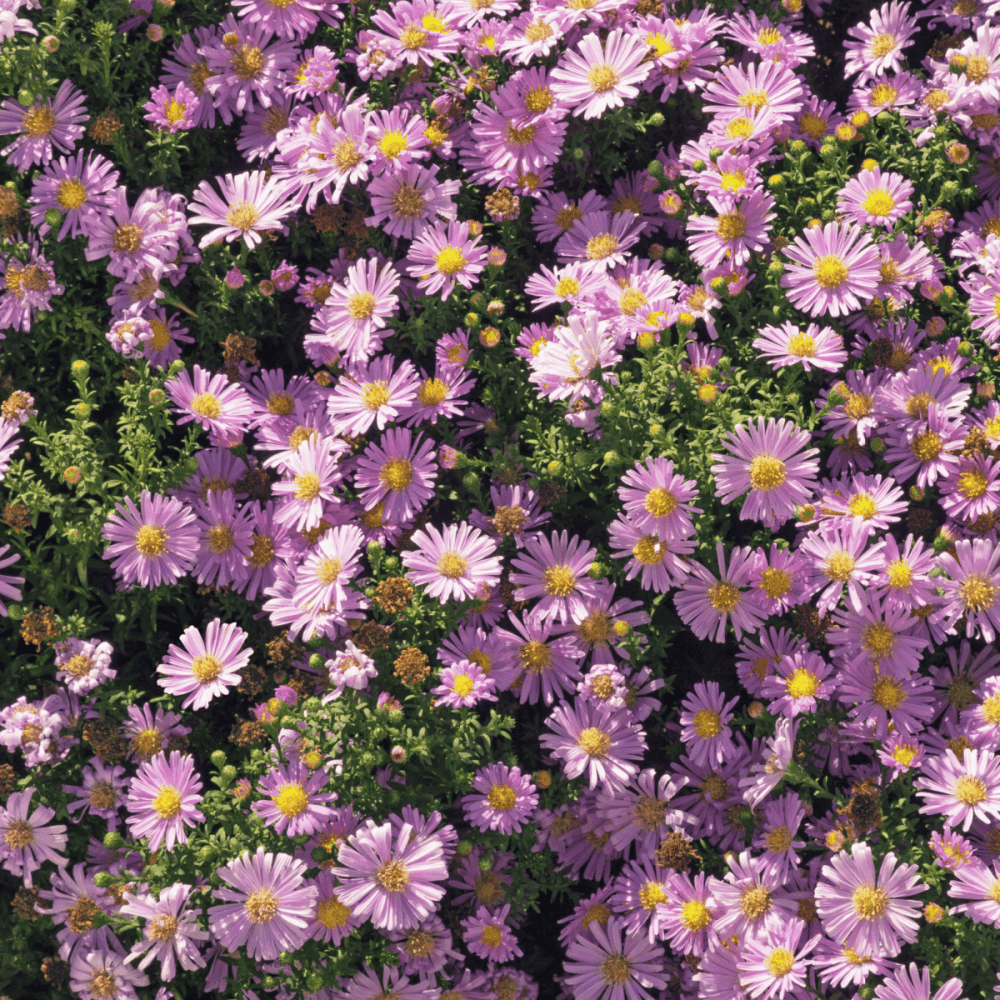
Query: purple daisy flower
883,698
599,240
102,973
455,562
737,230
835,270
489,936
270,909
812,348
160,545
80,190
773,463
314,477
463,685
43,126
706,604
391,879
869,913
662,562
170,932
295,803
876,199
293,20
908,982
658,500
961,790
555,570
777,966
593,79
391,982
924,448
163,799
136,239
206,667
840,554
172,112
226,537
399,472
102,793
441,256
800,680
595,740
28,287
410,199
607,956
148,734
371,394
250,204
879,45
25,841
325,575
972,588
704,720
975,882
506,799
879,634
355,312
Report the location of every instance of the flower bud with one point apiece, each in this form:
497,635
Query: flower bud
965,349
489,337
104,880
53,217
72,475
80,368
612,458
51,43
543,779
714,153
464,848
486,862
471,319
317,661
471,482
398,754
699,166
718,285
797,147
314,982
917,494
756,710
877,445
656,119
656,251
113,840
218,758
228,772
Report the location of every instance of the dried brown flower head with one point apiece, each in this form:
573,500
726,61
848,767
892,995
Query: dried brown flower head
39,626
411,666
104,128
393,595
371,637
17,516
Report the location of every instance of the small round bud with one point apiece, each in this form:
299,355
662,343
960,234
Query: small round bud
272,982
861,119
104,880
489,337
806,513
846,132
72,475
266,287
464,848
646,340
866,993
374,550
218,758
51,43
672,255
25,98
655,168
228,772
554,467
612,458
917,493
714,153
877,445
756,710
656,119
471,482
475,227
656,251
542,779
486,862
495,308
496,256
392,563
797,147
80,368
235,278
398,754
317,661
958,153
157,396
699,166
583,458
597,570
828,151
314,982
775,181
942,541
718,285
775,269
949,190
53,217
965,349
933,913
113,840
869,164
471,319
154,33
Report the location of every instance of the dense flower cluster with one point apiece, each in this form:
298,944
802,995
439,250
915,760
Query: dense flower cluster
864,609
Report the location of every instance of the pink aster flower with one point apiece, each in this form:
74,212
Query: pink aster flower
84,664
405,202
839,555
312,476
443,256
593,79
324,577
706,604
102,793
738,229
399,472
766,776
355,312
455,562
600,240
879,45
910,983
879,634
295,802
206,667
658,500
92,969
834,271
43,126
876,199
972,587
603,956
961,790
506,799
249,204
172,112
160,545
704,720
226,539
879,699
25,841
761,85
489,936
602,743
148,734
391,878
800,680
975,882
292,21
211,400
79,188
171,935
775,966
867,912
163,799
812,347
372,394
463,685
555,570
773,463
270,909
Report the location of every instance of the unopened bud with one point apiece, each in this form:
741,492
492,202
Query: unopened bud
218,758
113,840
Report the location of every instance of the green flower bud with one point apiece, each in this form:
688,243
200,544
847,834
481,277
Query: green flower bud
486,862
672,255
104,880
53,217
612,458
113,840
775,181
271,982
797,147
867,993
26,98
392,563
828,151
656,119
228,773
718,285
655,168
316,661
218,758
286,957
597,570
877,445
714,154
471,482
80,368
827,215
949,190
314,982
583,458
374,550
464,848
775,269
699,166
965,349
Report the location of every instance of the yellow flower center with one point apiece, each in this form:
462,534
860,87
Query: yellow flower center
649,550
830,271
755,903
450,260
881,45
883,94
972,484
219,539
433,392
802,684
205,668
863,506
328,570
977,593
392,876
501,798
724,597
879,640
779,963
565,287
652,894
775,583
392,144
396,474
778,840
242,216
888,693
601,247
292,799
361,306
695,915
971,791
904,753
838,566
869,903
151,541
707,724
603,77
452,564
766,473
375,394
801,346
731,226
71,194
559,581
594,742
660,502
332,912
307,486
615,970
534,657
261,906
167,802
463,685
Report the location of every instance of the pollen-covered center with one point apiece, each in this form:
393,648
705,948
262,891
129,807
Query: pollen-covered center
594,742
392,876
869,902
452,564
151,540
603,77
767,472
830,271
